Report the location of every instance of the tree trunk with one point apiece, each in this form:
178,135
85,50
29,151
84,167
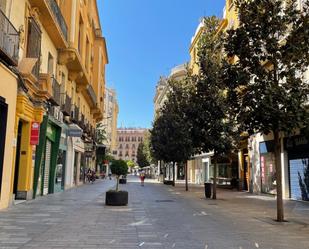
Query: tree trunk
214,186
280,208
186,175
174,174
117,186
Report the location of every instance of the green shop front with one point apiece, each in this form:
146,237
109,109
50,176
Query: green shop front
47,158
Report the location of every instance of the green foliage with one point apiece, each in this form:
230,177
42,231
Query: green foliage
170,137
119,167
267,90
100,134
130,163
212,127
141,157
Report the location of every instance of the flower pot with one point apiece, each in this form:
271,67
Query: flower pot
122,180
116,198
207,186
168,182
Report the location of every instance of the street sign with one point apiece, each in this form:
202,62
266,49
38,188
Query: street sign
35,133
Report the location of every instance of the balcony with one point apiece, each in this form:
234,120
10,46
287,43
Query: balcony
92,97
52,20
55,92
9,41
75,114
66,105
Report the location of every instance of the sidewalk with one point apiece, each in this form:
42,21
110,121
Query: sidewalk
295,211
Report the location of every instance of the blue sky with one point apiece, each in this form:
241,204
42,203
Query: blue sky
145,39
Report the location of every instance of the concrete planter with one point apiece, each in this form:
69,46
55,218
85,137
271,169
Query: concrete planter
168,182
123,181
116,198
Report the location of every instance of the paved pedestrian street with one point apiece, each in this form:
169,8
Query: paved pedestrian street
157,216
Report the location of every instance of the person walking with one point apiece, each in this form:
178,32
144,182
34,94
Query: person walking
142,177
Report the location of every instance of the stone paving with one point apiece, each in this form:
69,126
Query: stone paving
157,216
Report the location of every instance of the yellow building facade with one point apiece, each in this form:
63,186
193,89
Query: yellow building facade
56,79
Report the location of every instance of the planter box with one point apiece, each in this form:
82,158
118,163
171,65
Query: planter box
114,198
123,181
168,182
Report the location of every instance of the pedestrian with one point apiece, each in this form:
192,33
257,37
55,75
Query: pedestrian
110,176
142,177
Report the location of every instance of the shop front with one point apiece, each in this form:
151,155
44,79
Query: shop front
267,167
75,148
61,161
46,157
297,148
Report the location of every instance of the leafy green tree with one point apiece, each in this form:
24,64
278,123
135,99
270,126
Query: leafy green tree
170,135
100,134
130,164
119,168
211,124
141,157
267,90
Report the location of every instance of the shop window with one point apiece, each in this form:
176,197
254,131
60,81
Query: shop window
267,165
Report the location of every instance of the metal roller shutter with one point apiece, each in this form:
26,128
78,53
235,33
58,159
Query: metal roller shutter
47,166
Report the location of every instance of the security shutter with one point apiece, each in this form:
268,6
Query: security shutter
47,166
297,168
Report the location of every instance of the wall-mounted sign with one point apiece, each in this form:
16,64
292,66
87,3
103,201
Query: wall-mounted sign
74,131
35,133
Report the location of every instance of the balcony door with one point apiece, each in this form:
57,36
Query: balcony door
3,120
34,44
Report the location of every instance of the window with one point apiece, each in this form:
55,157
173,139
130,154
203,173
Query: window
50,65
80,35
127,153
127,146
120,146
34,44
87,54
133,146
120,153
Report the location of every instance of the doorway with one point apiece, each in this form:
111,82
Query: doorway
246,170
17,160
3,121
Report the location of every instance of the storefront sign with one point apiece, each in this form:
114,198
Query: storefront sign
75,131
35,133
296,142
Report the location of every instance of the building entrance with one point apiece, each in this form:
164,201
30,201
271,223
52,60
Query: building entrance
3,120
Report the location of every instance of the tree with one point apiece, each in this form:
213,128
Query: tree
100,133
141,157
212,126
267,91
119,168
130,164
170,135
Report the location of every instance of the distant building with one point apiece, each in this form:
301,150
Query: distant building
177,73
128,141
110,118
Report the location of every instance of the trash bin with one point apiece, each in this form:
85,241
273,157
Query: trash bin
207,189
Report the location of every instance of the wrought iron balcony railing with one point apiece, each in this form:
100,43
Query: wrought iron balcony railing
66,105
59,17
56,91
92,94
9,41
75,114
